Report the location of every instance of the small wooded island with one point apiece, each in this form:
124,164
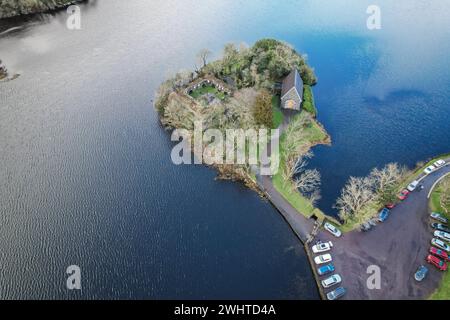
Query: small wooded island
265,86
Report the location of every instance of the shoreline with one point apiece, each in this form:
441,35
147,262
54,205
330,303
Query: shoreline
22,10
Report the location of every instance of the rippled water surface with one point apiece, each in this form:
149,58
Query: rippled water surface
86,176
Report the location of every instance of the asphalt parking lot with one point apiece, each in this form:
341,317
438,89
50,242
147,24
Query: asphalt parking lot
398,246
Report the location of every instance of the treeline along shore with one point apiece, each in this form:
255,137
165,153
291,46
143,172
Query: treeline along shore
13,8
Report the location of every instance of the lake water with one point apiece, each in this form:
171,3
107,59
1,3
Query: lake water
86,176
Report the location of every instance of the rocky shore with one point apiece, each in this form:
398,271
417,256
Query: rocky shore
12,8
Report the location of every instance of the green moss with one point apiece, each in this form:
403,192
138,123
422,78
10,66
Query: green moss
207,89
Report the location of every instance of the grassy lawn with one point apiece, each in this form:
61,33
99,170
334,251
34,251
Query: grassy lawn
443,292
295,198
207,89
277,114
315,135
308,101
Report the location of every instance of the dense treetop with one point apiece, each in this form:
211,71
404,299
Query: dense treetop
267,62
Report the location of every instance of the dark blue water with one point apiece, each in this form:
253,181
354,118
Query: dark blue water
86,177
383,95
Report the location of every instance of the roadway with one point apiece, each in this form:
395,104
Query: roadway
398,246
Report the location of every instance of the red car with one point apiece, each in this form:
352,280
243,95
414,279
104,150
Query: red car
439,253
438,263
403,195
390,205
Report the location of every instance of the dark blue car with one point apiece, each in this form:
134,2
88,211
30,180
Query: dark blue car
325,269
384,214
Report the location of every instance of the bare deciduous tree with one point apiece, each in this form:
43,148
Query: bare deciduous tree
203,56
354,196
308,182
295,165
391,174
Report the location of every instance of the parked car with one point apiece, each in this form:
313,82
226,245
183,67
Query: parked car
440,226
438,263
429,169
439,217
439,253
390,205
439,163
365,227
442,235
332,229
325,269
412,186
336,294
421,273
323,259
331,281
383,215
403,195
373,222
322,247
440,244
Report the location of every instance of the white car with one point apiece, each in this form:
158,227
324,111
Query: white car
440,244
412,186
442,235
439,217
322,247
332,229
429,169
439,163
331,281
323,259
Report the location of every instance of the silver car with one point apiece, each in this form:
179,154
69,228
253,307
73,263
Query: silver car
442,235
440,244
331,281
